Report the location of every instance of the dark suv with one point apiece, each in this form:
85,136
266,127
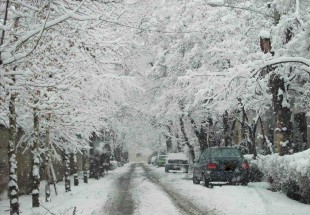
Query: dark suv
221,164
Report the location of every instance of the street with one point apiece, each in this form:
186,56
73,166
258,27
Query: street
152,195
143,189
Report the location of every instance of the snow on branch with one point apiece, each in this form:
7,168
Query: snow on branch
282,60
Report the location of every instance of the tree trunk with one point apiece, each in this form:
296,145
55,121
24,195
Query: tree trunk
13,188
5,18
179,147
227,138
252,134
211,133
283,124
67,171
92,161
168,139
84,168
244,119
282,113
53,177
201,135
35,160
47,166
75,170
191,148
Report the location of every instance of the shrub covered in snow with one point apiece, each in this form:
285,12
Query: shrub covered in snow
289,173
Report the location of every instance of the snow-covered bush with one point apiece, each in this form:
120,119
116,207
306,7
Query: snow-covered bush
289,173
256,174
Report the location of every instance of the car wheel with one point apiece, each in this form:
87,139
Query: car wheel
196,180
207,183
244,182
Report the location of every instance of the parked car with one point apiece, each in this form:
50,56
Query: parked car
221,164
153,160
113,165
176,161
160,160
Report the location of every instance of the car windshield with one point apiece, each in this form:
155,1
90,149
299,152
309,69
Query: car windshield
224,153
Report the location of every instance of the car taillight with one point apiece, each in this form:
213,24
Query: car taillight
245,165
211,166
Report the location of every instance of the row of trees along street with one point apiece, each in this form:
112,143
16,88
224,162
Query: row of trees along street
224,80
191,74
63,78
237,73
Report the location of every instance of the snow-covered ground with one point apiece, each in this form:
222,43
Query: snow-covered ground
255,199
148,190
88,199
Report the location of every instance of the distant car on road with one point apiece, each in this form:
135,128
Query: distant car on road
153,160
160,160
176,161
221,164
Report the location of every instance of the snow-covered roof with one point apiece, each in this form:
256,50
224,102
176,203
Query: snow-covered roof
176,156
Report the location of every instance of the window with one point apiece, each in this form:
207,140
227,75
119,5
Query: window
225,153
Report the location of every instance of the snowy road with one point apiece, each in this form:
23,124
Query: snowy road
180,201
141,189
148,190
121,201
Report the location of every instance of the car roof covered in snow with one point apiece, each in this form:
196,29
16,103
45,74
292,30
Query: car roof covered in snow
176,156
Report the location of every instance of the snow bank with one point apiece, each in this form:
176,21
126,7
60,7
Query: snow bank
254,199
289,173
87,199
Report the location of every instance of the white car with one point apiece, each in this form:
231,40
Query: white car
176,161
153,160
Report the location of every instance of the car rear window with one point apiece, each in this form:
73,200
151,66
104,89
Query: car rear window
177,161
222,153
